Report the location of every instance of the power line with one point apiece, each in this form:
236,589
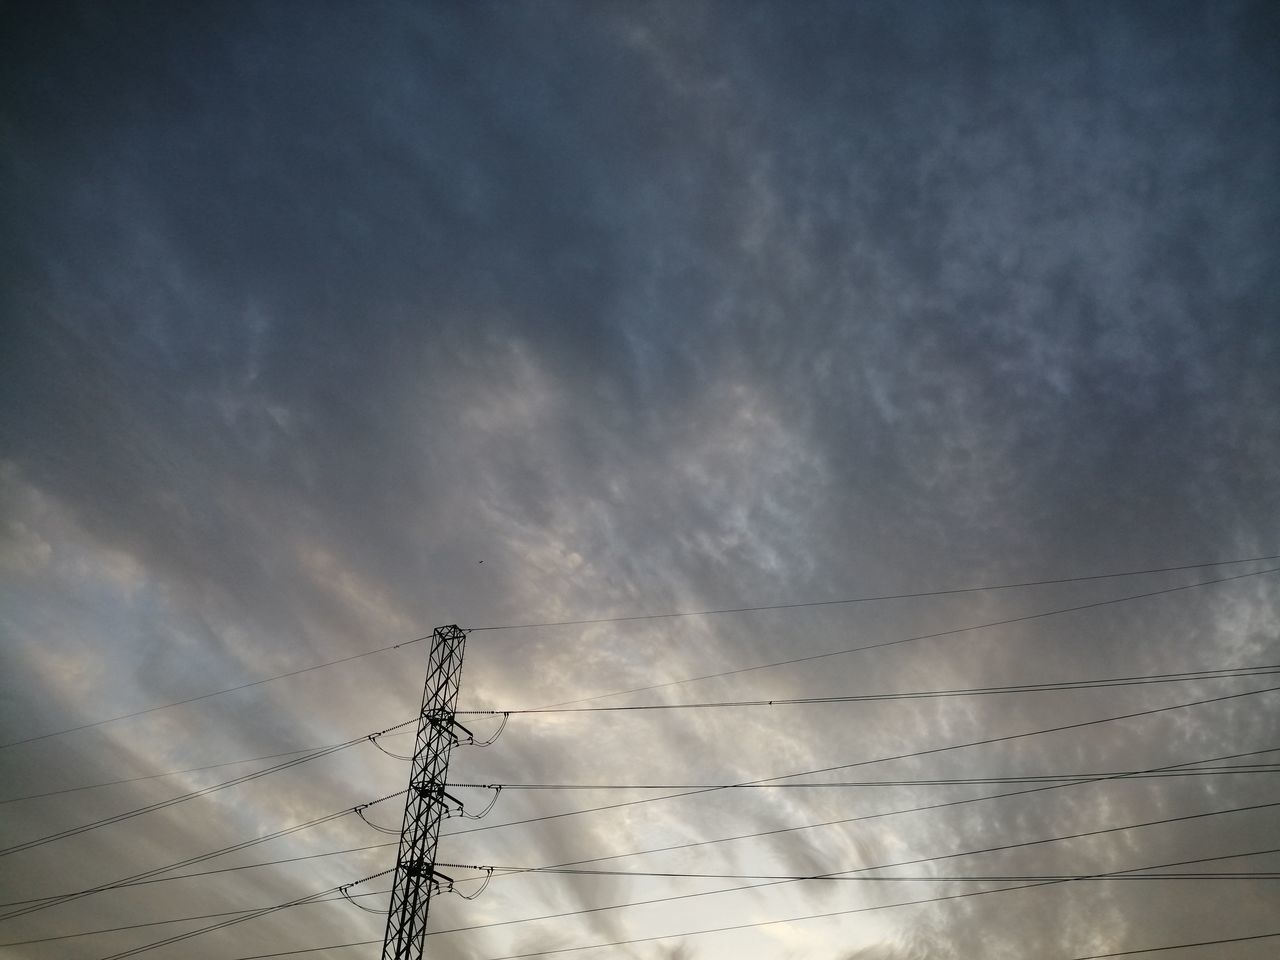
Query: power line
262,912
298,760
330,946
743,926
206,696
1179,946
1187,676
902,812
161,804
360,943
45,903
820,916
173,773
872,599
157,776
161,923
404,643
881,866
903,756
63,897
378,846
793,878
1236,770
922,636
1224,673
1126,775
203,791
205,873
54,900
1092,956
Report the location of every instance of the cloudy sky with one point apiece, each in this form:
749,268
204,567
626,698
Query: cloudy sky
310,308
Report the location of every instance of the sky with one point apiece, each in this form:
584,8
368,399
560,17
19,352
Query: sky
326,324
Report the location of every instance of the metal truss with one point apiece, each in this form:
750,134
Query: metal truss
427,805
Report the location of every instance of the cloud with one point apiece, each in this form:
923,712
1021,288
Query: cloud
649,307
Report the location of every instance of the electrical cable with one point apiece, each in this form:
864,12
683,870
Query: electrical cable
190,934
841,877
1225,673
160,923
359,812
922,636
1046,614
52,901
1085,723
394,756
679,897
1092,956
881,866
43,903
181,798
872,599
1237,770
1206,674
641,853
822,916
206,696
376,846
868,909
328,946
157,776
917,809
208,873
162,804
343,890
488,877
473,742
1178,946
405,643
903,756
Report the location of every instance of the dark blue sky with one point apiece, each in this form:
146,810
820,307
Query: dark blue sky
307,307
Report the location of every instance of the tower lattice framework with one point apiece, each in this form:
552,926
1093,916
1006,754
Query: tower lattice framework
426,804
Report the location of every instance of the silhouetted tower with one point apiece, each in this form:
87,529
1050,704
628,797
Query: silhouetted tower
415,878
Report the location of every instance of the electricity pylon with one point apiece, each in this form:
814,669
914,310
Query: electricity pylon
416,877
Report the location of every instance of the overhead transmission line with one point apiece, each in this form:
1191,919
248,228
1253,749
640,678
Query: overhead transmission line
264,911
326,896
920,594
161,923
259,773
1178,946
1235,770
557,867
157,776
920,636
1225,673
999,848
923,878
765,923
1063,781
638,853
58,899
550,868
851,600
830,914
1092,956
860,763
205,873
203,791
1158,678
51,901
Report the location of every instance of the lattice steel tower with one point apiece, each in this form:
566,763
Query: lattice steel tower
415,878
